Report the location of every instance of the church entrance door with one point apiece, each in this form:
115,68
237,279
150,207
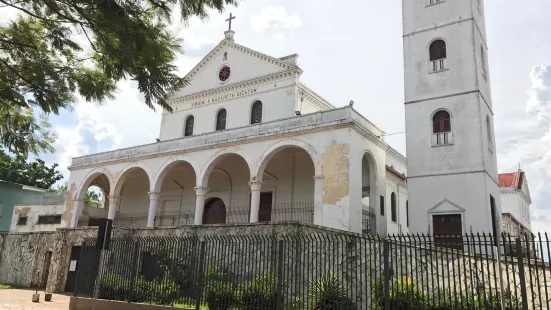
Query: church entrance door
215,212
265,209
448,230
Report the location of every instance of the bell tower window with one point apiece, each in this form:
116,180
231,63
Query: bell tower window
441,128
437,55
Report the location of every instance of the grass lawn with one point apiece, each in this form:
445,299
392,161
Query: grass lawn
6,286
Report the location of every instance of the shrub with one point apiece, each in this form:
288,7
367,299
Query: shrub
219,295
116,287
328,292
403,294
260,293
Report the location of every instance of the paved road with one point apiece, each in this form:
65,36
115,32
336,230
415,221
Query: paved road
21,300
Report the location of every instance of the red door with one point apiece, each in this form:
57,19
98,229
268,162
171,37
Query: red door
215,212
265,208
447,229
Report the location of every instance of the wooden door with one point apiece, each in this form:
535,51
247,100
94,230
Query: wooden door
447,230
73,269
215,212
265,208
46,269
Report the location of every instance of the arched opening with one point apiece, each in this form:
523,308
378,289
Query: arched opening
132,189
287,192
438,55
215,211
188,127
441,127
176,182
256,112
227,178
221,120
94,193
369,195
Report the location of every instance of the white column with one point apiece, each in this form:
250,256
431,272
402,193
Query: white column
200,192
153,200
255,200
78,205
318,200
114,203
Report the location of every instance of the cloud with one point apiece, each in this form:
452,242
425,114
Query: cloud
528,142
275,18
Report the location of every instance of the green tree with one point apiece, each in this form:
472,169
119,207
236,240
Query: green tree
35,173
43,64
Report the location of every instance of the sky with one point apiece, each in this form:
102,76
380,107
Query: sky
352,50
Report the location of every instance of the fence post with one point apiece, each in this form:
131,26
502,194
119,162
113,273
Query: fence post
522,278
135,254
386,273
279,300
199,289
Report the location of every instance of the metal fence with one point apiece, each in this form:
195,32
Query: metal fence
302,212
320,271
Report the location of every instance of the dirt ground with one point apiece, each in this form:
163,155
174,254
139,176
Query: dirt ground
14,299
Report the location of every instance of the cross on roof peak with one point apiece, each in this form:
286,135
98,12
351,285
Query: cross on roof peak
229,20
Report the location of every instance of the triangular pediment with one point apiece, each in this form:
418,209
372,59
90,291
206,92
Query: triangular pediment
446,206
243,63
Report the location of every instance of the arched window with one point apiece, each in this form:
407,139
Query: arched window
393,214
489,131
188,130
221,120
437,54
256,112
437,50
441,122
441,128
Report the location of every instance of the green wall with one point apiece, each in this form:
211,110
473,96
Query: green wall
12,194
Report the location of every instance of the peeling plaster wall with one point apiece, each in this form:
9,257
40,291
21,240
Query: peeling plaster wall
33,213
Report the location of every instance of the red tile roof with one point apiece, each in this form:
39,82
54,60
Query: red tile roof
395,172
511,179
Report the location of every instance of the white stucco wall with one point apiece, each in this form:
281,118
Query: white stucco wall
513,202
32,213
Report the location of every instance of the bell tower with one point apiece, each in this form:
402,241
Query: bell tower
452,165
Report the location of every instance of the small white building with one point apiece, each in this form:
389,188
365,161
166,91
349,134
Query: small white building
515,203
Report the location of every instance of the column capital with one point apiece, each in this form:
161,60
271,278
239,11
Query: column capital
255,185
114,200
154,195
318,177
201,191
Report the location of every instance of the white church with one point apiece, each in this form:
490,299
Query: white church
247,141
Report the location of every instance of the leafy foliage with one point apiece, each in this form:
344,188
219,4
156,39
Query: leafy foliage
328,292
260,293
58,49
35,173
219,289
118,288
404,294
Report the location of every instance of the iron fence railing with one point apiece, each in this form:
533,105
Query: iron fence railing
320,270
302,212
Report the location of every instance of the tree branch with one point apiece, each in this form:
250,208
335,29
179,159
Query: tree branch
17,43
26,11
